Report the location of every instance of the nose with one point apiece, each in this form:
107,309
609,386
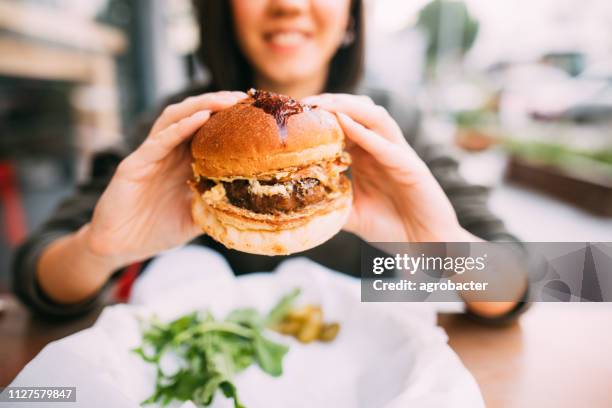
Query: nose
288,7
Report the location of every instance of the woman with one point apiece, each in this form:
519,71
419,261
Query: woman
131,212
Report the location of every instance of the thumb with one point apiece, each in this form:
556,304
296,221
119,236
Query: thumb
352,223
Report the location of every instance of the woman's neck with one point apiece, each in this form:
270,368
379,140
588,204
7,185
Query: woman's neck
297,90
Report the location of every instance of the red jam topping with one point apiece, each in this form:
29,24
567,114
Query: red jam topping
279,106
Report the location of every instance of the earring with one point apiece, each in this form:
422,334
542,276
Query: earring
349,36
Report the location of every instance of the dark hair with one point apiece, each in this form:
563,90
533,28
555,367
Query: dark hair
229,69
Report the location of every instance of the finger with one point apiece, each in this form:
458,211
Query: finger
312,100
371,116
211,101
352,223
363,137
380,148
349,144
191,227
160,145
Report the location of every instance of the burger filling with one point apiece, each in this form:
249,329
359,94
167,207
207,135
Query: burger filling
283,197
285,191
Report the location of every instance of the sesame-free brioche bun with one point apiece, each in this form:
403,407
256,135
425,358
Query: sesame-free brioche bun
246,141
238,229
269,176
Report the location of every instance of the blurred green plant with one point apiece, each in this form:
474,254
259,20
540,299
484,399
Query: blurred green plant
556,153
458,21
471,119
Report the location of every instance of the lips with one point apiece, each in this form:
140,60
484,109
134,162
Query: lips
286,39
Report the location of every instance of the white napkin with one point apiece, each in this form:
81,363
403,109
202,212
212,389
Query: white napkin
386,355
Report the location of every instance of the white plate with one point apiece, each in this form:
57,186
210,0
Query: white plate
386,355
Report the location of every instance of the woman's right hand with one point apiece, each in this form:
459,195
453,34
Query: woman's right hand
146,207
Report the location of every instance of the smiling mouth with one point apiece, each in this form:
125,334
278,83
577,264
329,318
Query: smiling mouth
286,39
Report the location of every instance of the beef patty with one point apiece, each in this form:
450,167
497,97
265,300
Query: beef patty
289,196
298,194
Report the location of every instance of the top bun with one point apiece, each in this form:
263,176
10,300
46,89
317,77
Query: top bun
265,133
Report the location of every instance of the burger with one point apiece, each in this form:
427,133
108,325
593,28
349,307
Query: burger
269,175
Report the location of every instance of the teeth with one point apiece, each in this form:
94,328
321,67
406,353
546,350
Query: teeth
287,39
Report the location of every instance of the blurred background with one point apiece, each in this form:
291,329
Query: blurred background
521,90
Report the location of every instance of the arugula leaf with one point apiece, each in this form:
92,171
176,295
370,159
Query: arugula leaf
229,390
269,355
284,305
246,317
212,352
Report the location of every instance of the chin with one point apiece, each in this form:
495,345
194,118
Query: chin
291,67
269,176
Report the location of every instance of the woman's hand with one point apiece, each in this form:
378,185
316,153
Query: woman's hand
396,198
146,207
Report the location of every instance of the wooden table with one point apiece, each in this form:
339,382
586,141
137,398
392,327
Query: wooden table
559,355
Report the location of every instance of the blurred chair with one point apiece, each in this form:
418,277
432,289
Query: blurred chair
14,220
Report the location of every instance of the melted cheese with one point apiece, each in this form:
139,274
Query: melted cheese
217,193
275,189
327,172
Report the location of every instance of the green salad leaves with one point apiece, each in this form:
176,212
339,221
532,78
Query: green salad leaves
208,353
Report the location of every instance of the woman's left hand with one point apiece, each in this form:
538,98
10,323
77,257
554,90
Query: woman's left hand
396,198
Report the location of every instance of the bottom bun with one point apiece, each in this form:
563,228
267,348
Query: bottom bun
314,231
